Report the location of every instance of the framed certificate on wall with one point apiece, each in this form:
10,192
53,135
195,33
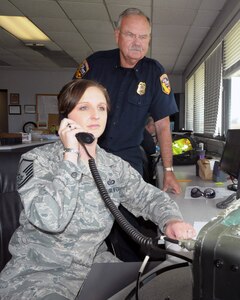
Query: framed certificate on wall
14,109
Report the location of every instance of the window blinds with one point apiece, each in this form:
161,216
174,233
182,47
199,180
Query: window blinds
213,87
194,105
206,110
198,107
189,91
231,47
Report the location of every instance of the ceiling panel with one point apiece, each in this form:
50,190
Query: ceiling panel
54,24
174,17
205,17
8,41
39,8
212,5
116,9
7,8
77,28
88,26
85,11
190,46
198,31
180,4
169,31
130,3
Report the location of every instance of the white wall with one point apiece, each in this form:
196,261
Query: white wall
29,83
176,83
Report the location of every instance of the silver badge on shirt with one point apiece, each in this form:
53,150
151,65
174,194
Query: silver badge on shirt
141,89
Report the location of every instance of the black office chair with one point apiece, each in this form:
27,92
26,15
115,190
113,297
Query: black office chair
149,167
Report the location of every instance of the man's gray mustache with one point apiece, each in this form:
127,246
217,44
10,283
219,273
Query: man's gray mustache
136,48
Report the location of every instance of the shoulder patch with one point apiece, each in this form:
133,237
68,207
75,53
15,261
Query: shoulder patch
164,81
25,172
81,70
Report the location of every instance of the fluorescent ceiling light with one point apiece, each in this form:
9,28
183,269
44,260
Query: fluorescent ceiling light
22,28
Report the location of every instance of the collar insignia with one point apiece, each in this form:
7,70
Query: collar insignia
110,182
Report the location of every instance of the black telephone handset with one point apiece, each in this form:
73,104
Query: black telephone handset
85,137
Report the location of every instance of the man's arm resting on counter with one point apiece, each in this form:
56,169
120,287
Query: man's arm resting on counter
164,137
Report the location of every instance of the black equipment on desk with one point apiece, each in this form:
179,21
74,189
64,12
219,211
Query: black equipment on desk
230,160
216,263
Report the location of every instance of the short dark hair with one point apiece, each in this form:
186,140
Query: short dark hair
131,12
73,91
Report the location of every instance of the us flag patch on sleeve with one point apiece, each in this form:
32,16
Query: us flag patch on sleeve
25,172
81,70
166,88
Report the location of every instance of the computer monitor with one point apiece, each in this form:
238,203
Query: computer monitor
230,160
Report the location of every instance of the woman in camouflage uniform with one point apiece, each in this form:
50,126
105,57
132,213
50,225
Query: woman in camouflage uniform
64,221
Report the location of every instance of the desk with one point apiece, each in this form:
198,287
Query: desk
107,279
23,146
173,284
193,210
114,281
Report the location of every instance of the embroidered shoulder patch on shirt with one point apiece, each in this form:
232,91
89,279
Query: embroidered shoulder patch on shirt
25,172
166,88
82,70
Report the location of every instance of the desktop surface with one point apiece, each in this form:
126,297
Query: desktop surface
195,209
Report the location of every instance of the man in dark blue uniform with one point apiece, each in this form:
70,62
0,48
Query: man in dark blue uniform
138,86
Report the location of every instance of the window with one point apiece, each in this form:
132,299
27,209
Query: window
234,118
232,49
212,101
232,77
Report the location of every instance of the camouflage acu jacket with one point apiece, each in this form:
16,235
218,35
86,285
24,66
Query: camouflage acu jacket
65,221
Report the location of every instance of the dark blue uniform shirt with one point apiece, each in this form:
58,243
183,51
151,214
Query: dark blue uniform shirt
134,93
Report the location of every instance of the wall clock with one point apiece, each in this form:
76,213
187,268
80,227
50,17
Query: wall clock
29,126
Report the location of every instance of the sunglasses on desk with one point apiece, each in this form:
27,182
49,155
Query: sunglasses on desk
207,193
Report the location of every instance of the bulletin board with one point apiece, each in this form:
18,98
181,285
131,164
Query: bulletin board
47,111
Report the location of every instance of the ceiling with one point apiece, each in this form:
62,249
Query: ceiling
78,28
